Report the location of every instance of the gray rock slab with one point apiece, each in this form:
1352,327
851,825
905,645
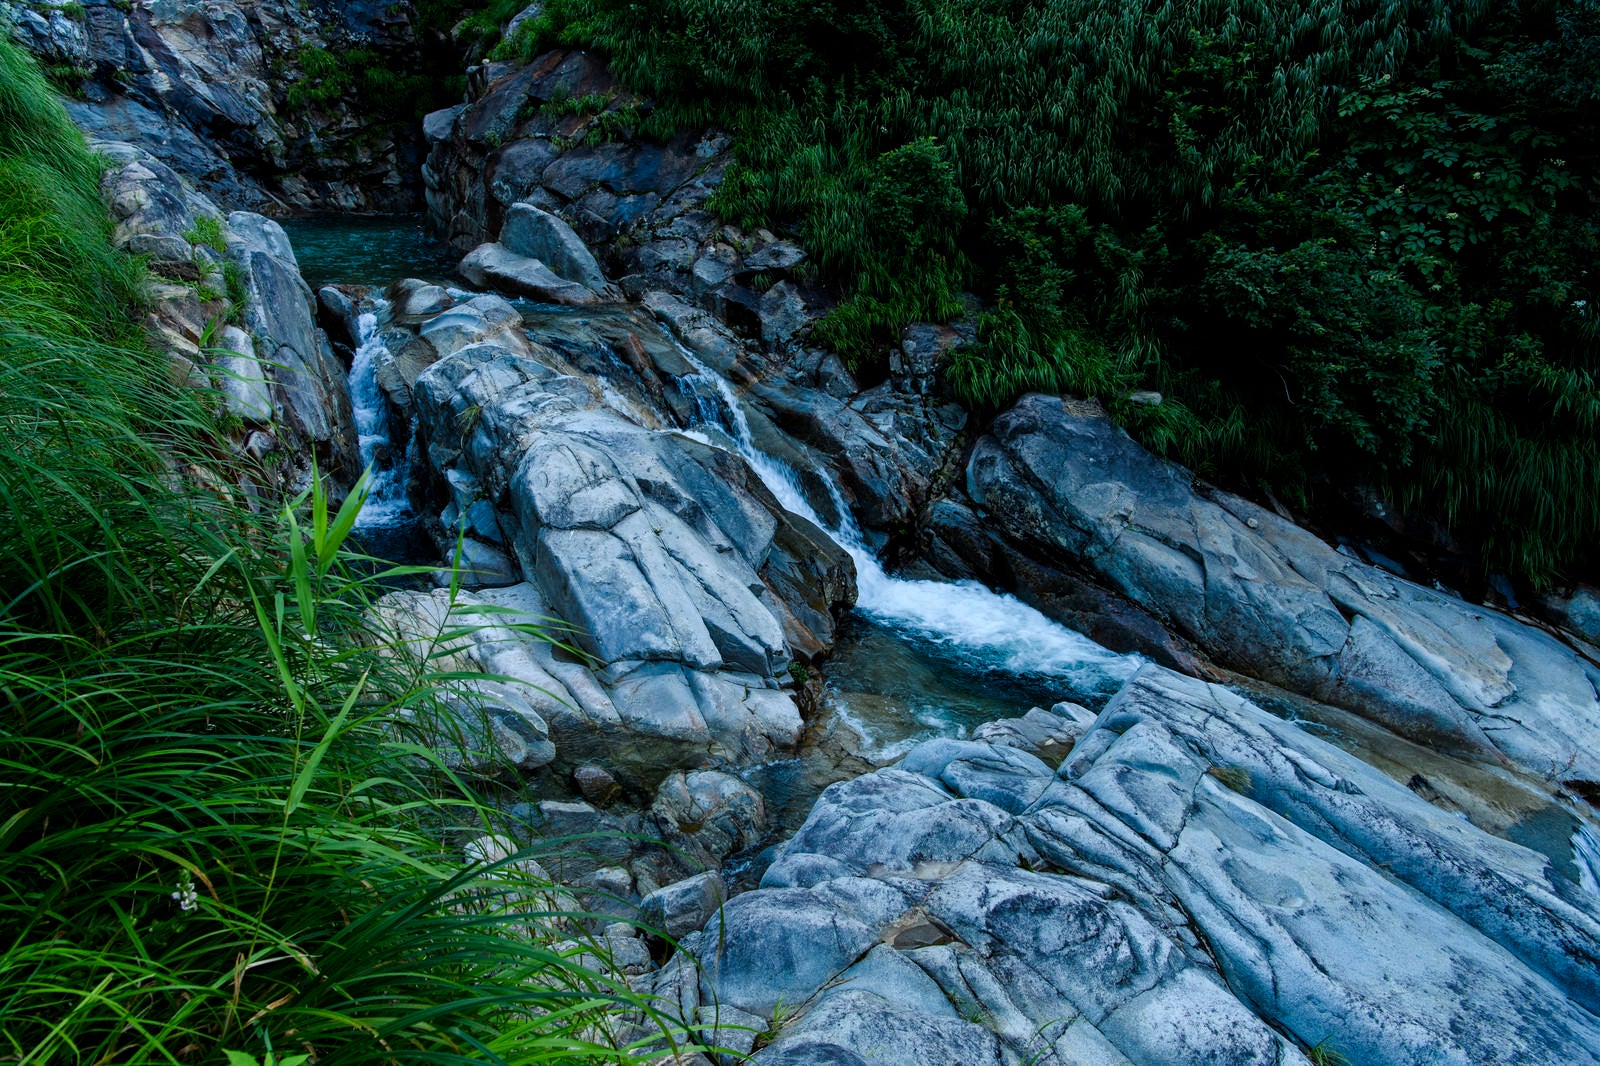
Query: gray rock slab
540,235
1260,594
493,266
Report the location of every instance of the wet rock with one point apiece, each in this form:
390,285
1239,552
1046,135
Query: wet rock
1266,597
596,784
1188,830
413,299
496,267
337,315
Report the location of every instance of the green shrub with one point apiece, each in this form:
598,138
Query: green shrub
1349,243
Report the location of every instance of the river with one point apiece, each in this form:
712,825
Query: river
915,658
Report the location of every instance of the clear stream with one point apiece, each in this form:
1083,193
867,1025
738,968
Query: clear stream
915,658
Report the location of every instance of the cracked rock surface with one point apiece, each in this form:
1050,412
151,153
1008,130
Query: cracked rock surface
1266,597
1198,882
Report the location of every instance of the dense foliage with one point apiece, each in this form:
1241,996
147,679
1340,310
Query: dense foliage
1349,241
220,829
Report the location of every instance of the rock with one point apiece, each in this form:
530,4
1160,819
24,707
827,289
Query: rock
541,235
778,256
874,1029
281,313
1046,734
279,372
1188,829
685,906
777,947
734,1032
1267,598
337,315
708,815
665,575
482,320
201,86
495,266
1578,612
436,125
245,389
424,300
596,784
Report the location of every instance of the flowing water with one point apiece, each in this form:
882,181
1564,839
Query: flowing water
386,505
958,653
914,659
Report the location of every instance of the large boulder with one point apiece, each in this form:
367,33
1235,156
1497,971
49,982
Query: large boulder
1200,882
275,371
309,384
688,589
1259,594
494,266
546,237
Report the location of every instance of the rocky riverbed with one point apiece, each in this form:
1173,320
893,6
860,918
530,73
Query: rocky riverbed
1284,802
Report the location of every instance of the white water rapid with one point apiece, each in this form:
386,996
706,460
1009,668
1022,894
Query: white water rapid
993,630
386,494
1586,856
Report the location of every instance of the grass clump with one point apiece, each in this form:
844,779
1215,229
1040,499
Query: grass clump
209,231
216,833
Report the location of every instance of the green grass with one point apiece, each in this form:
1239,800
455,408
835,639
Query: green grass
223,827
209,231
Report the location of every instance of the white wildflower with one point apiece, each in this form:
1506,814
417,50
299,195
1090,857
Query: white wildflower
186,895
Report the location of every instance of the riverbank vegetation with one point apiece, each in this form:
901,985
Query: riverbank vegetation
217,833
1350,244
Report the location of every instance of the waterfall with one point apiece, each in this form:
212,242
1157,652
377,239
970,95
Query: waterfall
994,630
386,494
1586,856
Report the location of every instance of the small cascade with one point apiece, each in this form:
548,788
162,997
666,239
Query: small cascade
386,494
993,630
1586,856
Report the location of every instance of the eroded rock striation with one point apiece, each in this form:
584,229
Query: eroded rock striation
273,369
1198,882
687,585
1265,597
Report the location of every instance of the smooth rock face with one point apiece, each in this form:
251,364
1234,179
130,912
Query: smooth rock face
688,585
540,235
276,373
1264,596
282,315
494,266
1199,881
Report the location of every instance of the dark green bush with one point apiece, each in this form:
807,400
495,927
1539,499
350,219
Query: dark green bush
1349,242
